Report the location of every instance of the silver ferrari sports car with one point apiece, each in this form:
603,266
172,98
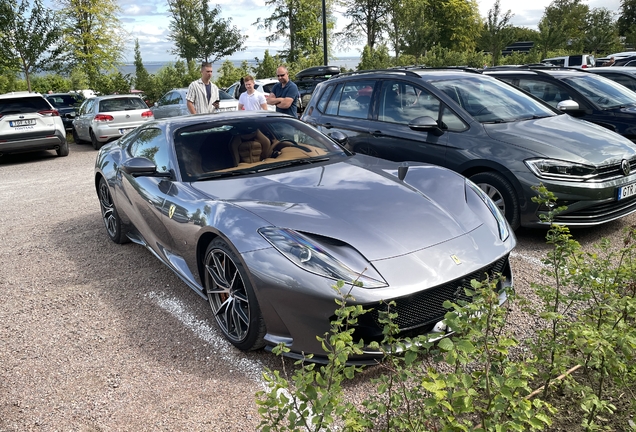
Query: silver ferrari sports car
261,215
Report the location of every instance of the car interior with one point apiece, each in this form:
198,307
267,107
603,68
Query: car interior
219,150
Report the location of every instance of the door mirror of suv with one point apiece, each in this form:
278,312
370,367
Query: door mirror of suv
567,105
425,124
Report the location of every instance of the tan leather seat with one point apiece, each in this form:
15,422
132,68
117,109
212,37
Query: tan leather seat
251,148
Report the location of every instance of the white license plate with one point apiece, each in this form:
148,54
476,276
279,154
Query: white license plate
16,123
125,131
626,191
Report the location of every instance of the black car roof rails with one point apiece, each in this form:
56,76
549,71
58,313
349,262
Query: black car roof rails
362,72
462,68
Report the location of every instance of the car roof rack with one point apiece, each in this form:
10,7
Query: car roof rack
362,72
538,69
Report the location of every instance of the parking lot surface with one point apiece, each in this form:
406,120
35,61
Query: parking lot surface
98,336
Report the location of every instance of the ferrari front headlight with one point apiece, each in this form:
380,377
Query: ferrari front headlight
309,256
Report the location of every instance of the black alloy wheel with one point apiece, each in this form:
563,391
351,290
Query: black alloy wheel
232,298
109,214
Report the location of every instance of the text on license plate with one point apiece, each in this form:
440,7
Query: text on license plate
16,123
626,191
125,131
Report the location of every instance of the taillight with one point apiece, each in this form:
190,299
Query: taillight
147,114
103,118
583,66
50,113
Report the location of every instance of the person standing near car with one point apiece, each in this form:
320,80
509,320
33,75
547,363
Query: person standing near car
203,95
251,100
284,94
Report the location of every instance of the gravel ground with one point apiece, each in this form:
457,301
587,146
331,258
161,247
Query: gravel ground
96,336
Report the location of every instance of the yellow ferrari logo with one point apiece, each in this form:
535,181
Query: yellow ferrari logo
457,260
171,211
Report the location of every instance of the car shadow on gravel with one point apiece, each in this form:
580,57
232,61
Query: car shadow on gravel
146,307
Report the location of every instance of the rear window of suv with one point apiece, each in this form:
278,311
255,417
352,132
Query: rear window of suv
23,105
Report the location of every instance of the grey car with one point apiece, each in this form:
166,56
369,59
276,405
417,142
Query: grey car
174,103
106,118
261,214
493,133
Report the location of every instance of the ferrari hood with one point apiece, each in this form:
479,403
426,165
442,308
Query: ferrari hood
362,204
566,138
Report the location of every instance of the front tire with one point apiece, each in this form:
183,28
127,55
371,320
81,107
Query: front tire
110,217
502,194
232,298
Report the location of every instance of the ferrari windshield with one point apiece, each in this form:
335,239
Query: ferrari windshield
245,146
602,91
492,101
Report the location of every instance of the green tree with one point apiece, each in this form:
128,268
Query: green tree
566,19
267,67
93,36
300,23
368,19
523,34
142,77
397,16
184,12
450,24
229,74
29,42
497,32
375,58
627,17
550,37
601,34
199,33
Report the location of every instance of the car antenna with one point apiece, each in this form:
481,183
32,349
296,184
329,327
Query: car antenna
402,170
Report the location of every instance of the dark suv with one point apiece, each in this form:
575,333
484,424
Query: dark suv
580,94
493,133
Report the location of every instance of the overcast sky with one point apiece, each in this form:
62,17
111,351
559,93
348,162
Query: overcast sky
147,21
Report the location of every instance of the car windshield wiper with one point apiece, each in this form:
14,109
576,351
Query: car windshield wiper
294,162
226,174
498,121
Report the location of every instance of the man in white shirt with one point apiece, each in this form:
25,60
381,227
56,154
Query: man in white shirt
251,100
203,95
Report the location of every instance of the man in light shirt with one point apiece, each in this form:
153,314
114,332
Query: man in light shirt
251,100
203,95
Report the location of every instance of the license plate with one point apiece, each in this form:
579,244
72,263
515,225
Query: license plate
626,191
16,123
125,131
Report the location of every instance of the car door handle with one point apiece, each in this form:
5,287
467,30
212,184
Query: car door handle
327,125
377,133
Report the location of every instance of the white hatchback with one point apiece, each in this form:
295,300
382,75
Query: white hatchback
28,122
105,118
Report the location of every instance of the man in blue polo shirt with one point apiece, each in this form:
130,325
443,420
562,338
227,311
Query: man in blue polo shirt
284,94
